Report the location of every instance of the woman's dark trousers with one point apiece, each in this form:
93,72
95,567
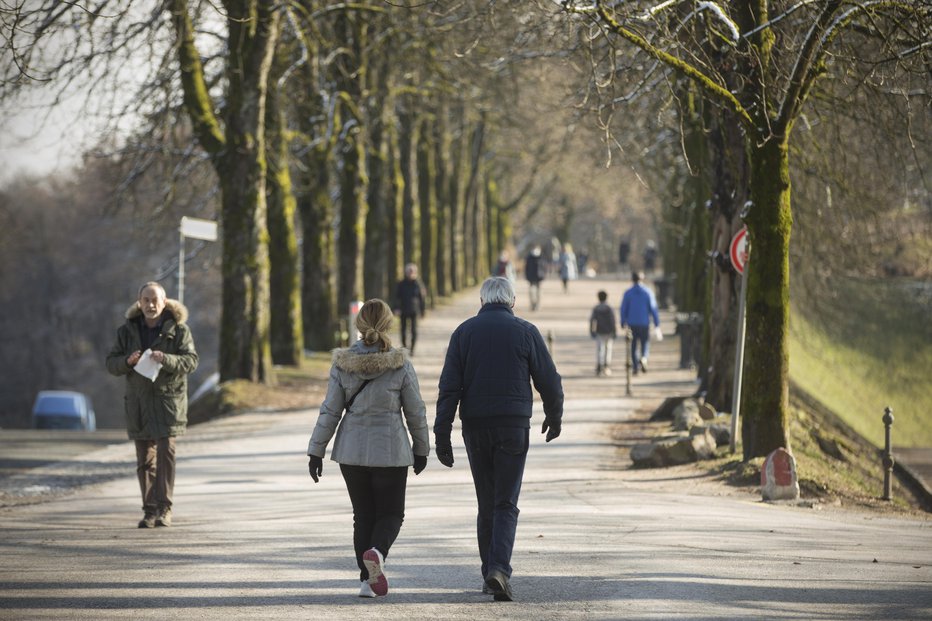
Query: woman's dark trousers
378,497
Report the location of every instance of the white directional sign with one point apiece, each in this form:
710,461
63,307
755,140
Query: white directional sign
195,228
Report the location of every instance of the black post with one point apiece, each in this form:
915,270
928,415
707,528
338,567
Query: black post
887,455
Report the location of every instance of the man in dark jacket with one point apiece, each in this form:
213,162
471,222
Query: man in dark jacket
155,351
409,305
490,364
534,268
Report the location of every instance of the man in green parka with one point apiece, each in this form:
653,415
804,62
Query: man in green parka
155,351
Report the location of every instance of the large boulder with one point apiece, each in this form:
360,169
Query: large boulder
673,450
665,411
686,415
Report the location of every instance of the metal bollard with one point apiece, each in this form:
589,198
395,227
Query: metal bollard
887,455
550,341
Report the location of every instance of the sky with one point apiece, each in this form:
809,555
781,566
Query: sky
33,145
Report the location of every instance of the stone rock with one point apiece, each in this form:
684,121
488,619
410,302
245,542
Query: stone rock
673,450
646,456
686,415
665,411
722,433
778,479
706,411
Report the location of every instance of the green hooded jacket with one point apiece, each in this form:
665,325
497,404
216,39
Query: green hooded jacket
156,409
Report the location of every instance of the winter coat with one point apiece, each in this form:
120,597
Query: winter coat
156,409
568,266
490,364
372,432
638,306
533,268
602,321
409,297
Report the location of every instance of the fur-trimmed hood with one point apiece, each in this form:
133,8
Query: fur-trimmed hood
178,310
368,364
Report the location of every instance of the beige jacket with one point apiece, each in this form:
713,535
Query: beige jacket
374,432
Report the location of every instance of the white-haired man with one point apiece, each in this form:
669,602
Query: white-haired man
490,364
156,409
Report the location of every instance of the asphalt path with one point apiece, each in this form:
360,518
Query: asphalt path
255,538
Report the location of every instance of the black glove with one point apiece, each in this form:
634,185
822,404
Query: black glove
551,427
315,465
420,462
444,451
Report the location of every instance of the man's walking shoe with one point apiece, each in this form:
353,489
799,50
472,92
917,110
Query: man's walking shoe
606,371
485,588
147,521
164,518
643,365
374,562
501,589
365,590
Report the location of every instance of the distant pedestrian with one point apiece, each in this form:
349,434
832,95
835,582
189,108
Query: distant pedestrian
504,268
377,386
650,256
155,351
638,307
409,304
604,329
624,250
568,270
490,365
534,271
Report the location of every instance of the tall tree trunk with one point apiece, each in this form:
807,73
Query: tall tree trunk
457,148
318,304
731,179
405,155
393,204
351,208
375,274
238,155
425,197
764,402
441,194
284,279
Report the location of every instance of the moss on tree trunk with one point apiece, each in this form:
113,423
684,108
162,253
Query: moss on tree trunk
764,403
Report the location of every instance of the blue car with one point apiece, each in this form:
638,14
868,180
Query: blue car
63,409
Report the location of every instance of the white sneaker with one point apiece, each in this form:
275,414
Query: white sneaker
374,562
365,590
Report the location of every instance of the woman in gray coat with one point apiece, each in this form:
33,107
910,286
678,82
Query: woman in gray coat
377,387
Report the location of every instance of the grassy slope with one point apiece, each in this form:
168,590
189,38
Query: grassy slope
871,347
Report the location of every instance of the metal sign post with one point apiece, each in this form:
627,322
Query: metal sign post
195,228
739,257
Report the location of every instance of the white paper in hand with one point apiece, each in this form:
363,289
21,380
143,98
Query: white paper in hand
658,333
147,367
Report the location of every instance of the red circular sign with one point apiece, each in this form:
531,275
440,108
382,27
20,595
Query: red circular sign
739,250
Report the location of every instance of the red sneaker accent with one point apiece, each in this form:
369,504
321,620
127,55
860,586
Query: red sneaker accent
377,580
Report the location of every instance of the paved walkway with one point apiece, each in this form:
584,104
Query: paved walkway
256,539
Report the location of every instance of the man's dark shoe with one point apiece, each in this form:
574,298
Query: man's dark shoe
148,521
485,589
164,518
501,589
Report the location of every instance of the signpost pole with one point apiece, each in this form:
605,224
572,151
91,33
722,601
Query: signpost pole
739,252
181,264
739,364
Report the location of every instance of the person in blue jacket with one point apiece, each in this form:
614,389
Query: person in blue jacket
491,362
638,307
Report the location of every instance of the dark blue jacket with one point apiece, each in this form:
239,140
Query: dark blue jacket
490,364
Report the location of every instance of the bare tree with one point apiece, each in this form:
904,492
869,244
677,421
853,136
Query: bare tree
774,54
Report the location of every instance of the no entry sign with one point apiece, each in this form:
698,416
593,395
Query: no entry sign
739,250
